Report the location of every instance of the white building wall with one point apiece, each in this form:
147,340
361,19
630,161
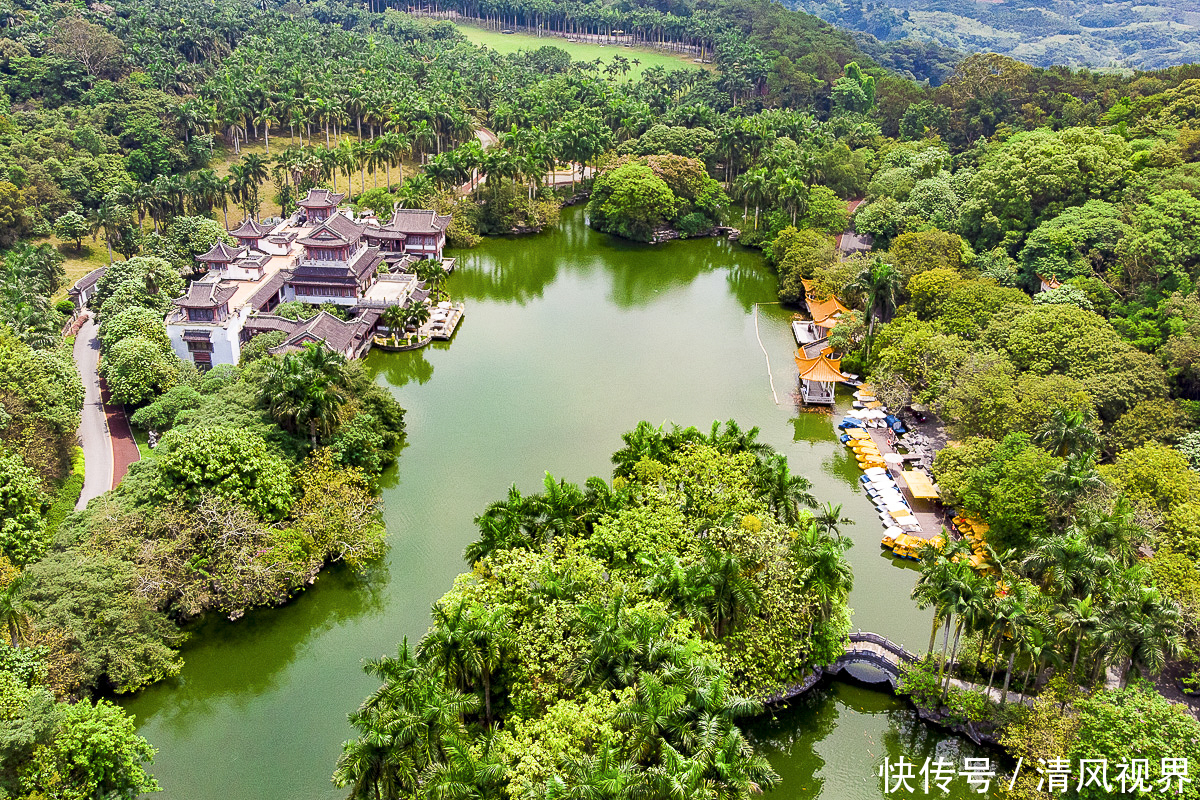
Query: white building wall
225,338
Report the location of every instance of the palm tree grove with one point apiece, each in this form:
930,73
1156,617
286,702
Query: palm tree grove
278,521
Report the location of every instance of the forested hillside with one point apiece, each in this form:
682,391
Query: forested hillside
1139,35
132,135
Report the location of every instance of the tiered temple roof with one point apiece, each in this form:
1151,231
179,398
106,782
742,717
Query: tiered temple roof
334,232
821,369
321,198
221,253
826,309
206,294
249,229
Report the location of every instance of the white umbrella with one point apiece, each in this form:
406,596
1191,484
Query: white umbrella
893,458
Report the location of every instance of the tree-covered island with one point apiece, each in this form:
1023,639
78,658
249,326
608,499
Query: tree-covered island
609,637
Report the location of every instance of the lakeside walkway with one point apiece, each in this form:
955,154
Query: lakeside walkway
928,516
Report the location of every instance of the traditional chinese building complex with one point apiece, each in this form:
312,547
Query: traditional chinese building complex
320,255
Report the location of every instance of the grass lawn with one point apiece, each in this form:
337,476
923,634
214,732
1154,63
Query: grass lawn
143,442
77,263
579,51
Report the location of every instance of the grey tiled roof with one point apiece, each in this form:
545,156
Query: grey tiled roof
206,294
249,229
222,252
321,198
417,220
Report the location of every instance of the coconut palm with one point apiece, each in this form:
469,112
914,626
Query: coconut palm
1067,432
1079,619
14,611
829,519
306,390
879,283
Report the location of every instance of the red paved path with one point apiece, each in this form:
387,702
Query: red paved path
124,448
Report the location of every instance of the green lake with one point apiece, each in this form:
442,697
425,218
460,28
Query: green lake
570,339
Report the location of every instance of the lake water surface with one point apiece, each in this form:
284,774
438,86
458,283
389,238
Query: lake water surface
570,339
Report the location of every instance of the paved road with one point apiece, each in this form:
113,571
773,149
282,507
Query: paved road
851,242
93,427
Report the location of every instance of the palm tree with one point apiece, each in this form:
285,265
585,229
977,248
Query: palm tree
784,492
432,272
469,644
1140,630
255,170
966,600
441,171
14,614
826,574
1067,432
1013,619
305,390
879,283
1040,648
108,219
1067,565
733,593
1075,478
829,519
393,146
394,317
266,117
1115,531
416,315
1080,619
643,442
463,773
753,187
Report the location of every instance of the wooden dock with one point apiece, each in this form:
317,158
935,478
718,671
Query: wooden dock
442,327
929,513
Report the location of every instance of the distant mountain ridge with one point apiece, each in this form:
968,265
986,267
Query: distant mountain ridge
1147,34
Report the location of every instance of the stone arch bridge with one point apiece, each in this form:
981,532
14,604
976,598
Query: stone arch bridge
868,657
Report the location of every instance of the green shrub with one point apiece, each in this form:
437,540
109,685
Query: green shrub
693,223
68,494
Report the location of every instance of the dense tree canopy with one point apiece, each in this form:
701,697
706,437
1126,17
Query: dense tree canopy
601,636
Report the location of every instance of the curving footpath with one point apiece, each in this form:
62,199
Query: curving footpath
104,434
